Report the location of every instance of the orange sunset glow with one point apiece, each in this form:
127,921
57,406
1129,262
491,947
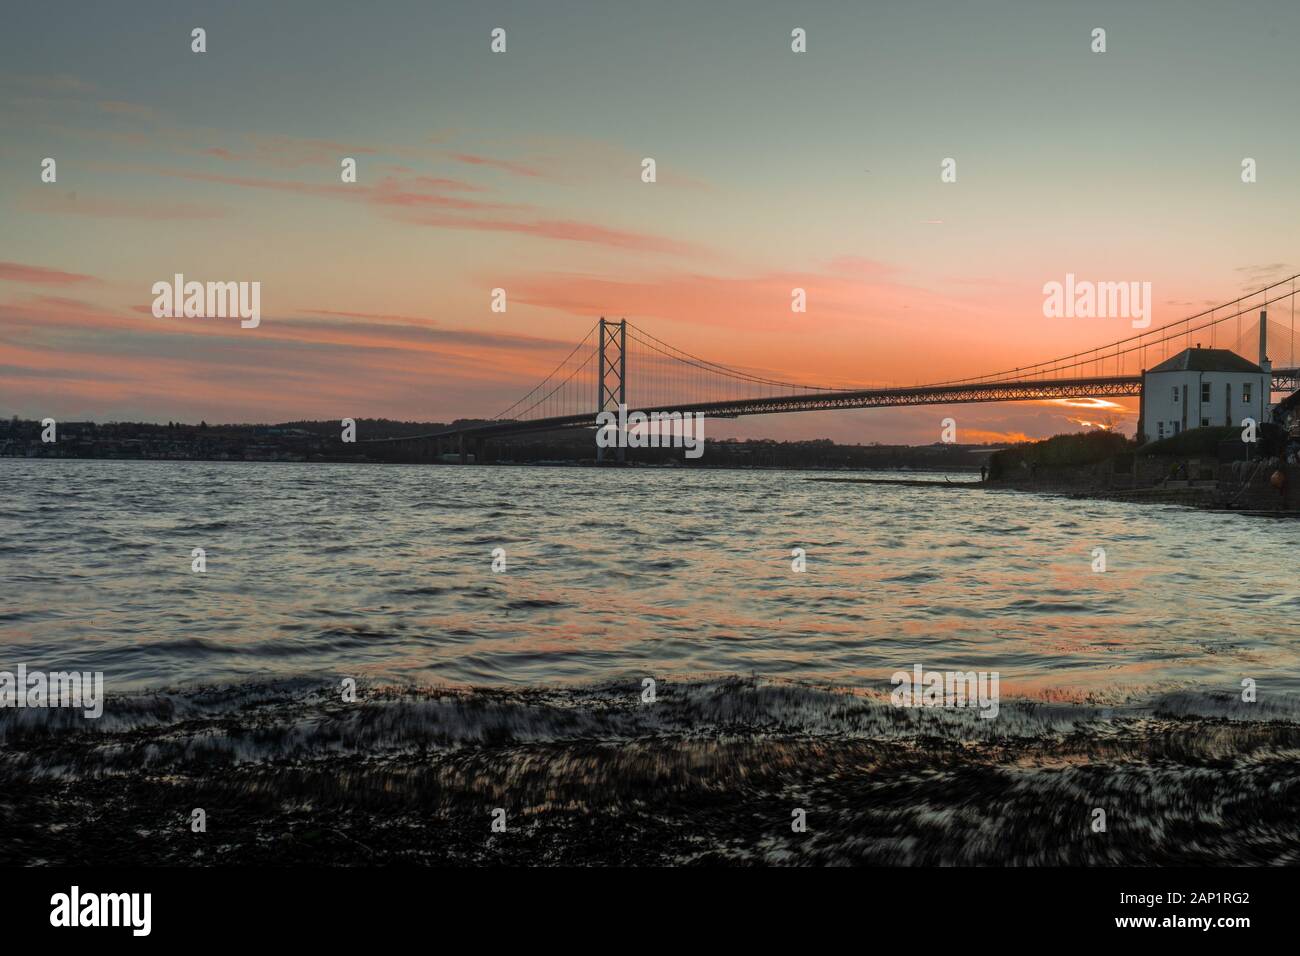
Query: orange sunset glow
376,292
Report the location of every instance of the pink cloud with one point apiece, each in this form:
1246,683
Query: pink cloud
81,356
519,169
389,192
39,275
438,182
406,205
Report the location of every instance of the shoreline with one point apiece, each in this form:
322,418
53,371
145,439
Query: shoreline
708,775
1141,496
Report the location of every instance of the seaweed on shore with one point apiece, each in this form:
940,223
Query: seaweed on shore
709,774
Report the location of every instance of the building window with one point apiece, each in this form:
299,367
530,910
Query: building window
1175,424
1205,391
1160,429
1245,393
1175,394
1205,423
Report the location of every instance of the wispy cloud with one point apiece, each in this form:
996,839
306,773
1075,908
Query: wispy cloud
518,169
430,208
39,275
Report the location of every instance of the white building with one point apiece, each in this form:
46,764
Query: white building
1199,388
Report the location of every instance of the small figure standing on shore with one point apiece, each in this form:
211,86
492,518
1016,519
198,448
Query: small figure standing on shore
983,473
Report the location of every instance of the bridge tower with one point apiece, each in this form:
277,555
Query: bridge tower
611,383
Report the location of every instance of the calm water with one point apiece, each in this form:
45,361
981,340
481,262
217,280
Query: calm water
385,573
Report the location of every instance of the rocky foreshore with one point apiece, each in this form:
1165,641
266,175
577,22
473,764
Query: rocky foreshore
713,772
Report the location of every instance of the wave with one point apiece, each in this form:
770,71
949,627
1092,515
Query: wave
709,772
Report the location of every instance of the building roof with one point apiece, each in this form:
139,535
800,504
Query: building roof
1207,360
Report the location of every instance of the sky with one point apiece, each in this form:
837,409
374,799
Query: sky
522,171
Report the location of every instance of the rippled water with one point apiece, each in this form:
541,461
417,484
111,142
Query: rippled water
385,573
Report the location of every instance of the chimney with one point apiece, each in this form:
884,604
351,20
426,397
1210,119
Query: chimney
1266,396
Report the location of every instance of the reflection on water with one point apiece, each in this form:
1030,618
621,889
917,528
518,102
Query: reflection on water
385,573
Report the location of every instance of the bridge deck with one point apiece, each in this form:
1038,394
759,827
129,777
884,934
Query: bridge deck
950,394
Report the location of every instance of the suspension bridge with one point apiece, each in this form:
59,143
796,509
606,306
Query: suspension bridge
620,363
